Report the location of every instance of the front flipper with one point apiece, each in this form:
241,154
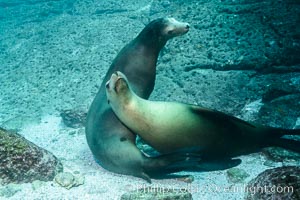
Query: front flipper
206,165
192,161
163,165
217,164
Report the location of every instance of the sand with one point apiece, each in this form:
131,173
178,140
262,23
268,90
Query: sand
69,145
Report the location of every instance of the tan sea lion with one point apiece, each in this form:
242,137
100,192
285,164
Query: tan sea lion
113,144
168,126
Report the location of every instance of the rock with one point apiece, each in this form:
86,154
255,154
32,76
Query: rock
233,34
278,112
22,161
73,118
277,183
68,180
297,124
278,89
270,163
251,110
236,175
150,193
279,154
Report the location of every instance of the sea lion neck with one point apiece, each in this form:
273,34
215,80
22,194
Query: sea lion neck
151,39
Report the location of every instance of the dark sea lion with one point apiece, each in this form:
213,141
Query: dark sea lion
168,126
112,144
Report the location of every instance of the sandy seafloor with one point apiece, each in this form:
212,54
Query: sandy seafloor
53,60
71,148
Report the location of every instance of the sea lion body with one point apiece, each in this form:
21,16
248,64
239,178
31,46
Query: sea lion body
113,144
168,126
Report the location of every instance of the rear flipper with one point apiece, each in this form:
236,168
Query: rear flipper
170,163
206,165
289,144
160,167
176,162
291,131
281,132
216,164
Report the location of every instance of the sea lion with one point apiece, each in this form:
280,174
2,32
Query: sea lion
168,126
113,144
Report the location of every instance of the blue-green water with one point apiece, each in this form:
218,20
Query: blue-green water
239,57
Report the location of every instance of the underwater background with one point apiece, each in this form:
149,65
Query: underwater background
241,57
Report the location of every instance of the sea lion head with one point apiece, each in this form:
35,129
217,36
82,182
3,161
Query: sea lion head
117,88
173,28
161,30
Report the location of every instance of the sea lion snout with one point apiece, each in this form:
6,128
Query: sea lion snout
176,28
119,74
183,28
111,82
187,28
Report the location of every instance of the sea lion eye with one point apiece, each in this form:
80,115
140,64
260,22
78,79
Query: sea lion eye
170,32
